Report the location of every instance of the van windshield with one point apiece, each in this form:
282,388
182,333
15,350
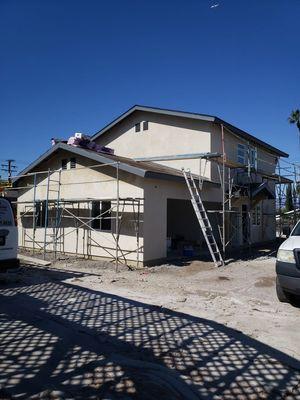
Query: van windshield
6,214
296,231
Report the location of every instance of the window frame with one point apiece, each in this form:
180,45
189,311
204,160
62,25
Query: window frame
98,223
253,161
40,213
145,126
137,127
256,215
242,147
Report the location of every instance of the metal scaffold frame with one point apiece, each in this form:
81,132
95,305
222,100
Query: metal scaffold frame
57,210
289,173
229,174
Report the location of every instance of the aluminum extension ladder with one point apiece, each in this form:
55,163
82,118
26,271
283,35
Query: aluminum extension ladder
203,218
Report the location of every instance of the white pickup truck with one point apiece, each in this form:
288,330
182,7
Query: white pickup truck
288,267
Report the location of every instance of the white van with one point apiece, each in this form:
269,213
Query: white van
8,235
288,267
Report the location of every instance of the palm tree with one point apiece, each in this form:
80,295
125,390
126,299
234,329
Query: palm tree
294,118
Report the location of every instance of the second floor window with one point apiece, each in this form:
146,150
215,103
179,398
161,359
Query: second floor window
247,154
141,126
253,157
138,127
241,154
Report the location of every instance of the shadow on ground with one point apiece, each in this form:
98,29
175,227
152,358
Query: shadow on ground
246,253
61,341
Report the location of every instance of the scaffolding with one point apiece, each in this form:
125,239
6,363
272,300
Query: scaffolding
287,197
236,181
53,214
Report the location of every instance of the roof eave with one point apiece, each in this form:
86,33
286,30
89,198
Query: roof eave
250,137
81,152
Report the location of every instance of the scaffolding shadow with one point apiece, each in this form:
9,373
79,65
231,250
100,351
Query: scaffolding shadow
59,339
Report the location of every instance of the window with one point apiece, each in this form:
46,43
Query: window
256,215
241,154
145,125
40,212
73,162
138,127
245,154
102,215
95,214
64,163
253,157
106,217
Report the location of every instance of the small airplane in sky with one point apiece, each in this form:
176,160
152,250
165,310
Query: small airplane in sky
215,5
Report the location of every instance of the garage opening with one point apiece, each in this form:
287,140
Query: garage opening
184,235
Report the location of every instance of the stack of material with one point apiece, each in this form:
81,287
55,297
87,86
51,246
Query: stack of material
81,140
54,141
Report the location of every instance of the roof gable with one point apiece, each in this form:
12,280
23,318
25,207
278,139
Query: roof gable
202,117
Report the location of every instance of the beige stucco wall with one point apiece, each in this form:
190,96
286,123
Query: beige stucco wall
266,161
155,216
166,136
84,183
100,183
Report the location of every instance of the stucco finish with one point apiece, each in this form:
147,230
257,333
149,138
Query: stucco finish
166,136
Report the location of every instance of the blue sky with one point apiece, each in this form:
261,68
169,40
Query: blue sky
69,66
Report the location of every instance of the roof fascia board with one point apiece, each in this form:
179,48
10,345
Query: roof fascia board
32,165
81,152
102,159
248,137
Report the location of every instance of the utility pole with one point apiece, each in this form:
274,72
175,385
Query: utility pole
9,167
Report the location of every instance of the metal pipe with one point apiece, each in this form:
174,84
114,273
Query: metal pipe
46,214
223,195
117,219
180,157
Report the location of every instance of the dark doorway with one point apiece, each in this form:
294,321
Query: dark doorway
245,223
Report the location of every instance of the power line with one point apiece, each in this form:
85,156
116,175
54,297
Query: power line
9,167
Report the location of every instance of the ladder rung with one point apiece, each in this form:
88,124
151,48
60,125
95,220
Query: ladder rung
202,218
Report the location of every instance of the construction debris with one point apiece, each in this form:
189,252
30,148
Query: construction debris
33,261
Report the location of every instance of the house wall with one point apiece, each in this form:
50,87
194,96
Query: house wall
157,193
167,135
266,161
84,183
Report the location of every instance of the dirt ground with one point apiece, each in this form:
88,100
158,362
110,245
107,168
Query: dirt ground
79,330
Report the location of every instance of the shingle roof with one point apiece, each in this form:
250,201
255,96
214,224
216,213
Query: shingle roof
202,117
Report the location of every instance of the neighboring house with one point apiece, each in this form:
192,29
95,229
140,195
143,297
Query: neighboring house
153,211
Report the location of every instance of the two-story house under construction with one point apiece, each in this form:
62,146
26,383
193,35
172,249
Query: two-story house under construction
134,206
